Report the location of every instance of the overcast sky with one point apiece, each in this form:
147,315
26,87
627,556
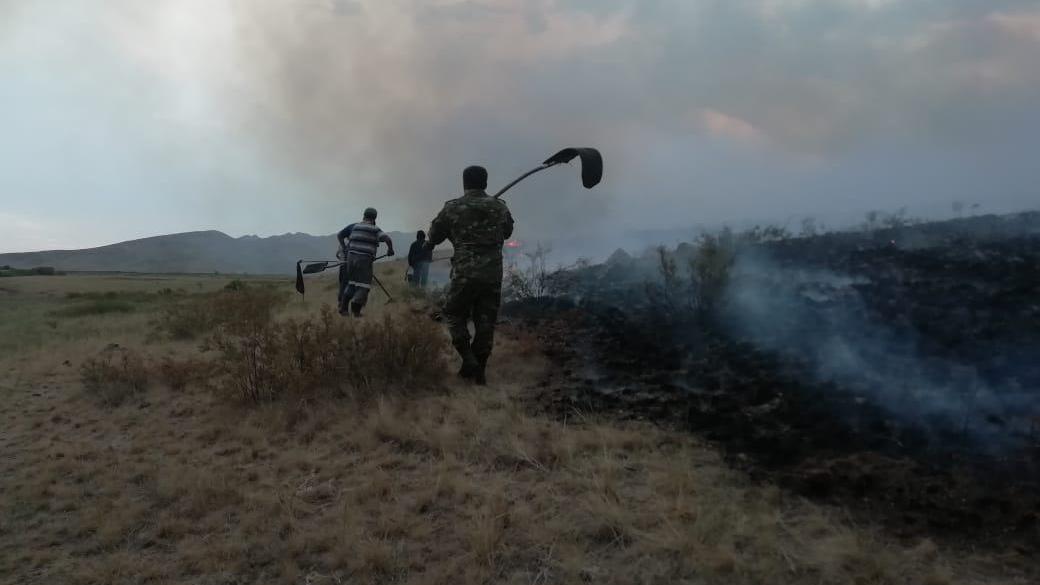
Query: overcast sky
123,118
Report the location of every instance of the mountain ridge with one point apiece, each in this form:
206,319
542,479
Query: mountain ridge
200,251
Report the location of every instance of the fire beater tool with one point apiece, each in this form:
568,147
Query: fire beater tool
591,174
591,166
316,266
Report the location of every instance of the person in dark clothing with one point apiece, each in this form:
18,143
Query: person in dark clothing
419,259
358,244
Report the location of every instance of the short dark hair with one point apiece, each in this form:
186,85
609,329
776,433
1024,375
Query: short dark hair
370,213
420,235
474,177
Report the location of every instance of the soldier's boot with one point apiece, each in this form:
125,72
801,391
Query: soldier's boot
480,372
469,363
355,308
468,370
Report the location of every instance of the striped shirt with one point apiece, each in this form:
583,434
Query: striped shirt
361,238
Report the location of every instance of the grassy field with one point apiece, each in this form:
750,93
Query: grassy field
430,481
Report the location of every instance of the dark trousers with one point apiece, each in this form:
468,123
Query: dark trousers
420,274
477,301
355,279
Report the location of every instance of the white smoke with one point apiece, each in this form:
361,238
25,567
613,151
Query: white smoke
819,317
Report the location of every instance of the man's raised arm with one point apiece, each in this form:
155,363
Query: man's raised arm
384,237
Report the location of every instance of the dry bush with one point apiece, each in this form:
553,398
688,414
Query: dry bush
302,358
879,220
711,267
186,320
671,296
532,281
537,280
178,374
114,376
240,307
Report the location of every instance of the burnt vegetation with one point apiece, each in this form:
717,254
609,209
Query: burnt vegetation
892,367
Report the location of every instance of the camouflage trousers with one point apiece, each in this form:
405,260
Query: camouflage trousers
477,301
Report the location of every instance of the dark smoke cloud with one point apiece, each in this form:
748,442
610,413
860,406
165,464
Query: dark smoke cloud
393,98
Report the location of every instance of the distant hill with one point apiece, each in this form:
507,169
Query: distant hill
195,252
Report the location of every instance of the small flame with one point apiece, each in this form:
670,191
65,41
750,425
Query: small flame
513,244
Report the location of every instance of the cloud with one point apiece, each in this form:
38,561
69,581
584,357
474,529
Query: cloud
1025,24
719,124
22,234
705,110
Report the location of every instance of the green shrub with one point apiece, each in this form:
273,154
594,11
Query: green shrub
96,307
241,308
185,320
37,271
102,303
123,295
114,376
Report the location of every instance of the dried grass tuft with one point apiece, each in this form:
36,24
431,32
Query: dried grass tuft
328,354
114,376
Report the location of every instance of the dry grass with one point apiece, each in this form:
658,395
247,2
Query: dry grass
178,373
44,313
401,486
239,307
454,488
301,360
114,376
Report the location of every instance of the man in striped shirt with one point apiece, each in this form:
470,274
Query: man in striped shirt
358,244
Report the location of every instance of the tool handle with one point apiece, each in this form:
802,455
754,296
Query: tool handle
541,167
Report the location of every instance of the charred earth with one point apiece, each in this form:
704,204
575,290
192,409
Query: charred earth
893,371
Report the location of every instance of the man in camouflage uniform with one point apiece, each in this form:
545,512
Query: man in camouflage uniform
476,224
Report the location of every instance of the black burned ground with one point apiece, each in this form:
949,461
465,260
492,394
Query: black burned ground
896,372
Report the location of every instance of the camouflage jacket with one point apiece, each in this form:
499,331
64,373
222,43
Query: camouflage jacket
476,224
